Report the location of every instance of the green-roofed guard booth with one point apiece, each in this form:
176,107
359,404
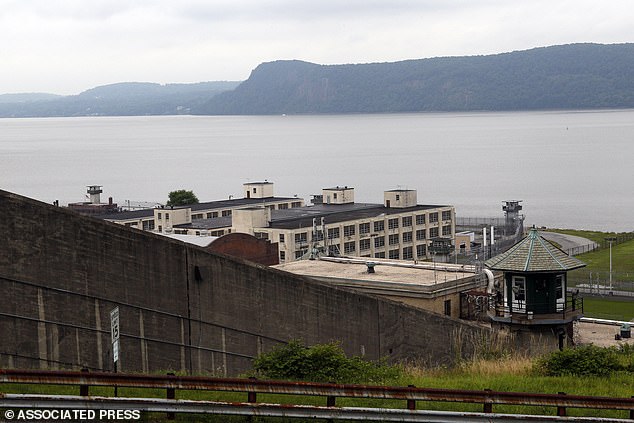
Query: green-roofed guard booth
534,288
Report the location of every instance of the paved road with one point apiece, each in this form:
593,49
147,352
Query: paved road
568,242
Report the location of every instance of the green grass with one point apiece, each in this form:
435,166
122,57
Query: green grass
599,260
612,308
510,374
595,236
622,258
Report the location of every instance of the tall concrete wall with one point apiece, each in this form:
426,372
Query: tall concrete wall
181,307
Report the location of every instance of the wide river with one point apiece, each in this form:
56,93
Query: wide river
570,169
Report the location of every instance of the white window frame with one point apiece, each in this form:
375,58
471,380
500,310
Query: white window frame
518,304
561,301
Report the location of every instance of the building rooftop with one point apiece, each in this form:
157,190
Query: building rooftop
213,223
302,217
534,254
209,205
338,188
201,241
127,214
237,202
388,273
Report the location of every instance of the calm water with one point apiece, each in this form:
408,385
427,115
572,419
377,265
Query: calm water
571,169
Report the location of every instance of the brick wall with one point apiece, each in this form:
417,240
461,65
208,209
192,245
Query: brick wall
247,247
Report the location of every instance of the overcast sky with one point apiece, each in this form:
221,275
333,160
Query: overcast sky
67,46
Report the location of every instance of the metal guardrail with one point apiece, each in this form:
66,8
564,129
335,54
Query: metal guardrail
251,387
276,410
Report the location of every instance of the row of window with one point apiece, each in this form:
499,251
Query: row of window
333,233
167,216
379,226
405,222
364,246
209,215
220,232
226,213
407,253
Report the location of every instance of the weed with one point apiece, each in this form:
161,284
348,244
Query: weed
588,360
322,363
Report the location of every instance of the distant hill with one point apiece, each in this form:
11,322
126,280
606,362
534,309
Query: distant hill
26,97
122,99
576,76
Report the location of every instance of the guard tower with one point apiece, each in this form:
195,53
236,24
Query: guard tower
94,206
514,219
93,192
533,295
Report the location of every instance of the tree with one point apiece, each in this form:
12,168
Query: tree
181,197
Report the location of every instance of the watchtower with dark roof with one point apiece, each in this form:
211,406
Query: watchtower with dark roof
533,293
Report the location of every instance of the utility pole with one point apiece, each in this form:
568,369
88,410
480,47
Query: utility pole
610,240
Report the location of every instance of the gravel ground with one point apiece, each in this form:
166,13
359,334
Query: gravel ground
600,335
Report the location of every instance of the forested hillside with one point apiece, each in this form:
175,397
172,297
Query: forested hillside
578,76
122,99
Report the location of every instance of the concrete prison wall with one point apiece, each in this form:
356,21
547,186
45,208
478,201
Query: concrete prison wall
181,307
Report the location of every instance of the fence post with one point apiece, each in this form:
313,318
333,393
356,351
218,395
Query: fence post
331,400
488,406
411,404
561,410
83,389
252,396
171,394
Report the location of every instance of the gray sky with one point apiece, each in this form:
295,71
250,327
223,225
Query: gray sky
67,46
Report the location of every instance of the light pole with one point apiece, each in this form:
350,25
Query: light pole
610,240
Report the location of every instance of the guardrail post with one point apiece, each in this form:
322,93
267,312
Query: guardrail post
171,394
252,396
561,411
488,407
330,400
411,404
83,389
632,412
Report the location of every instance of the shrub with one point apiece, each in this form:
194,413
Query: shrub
582,361
321,363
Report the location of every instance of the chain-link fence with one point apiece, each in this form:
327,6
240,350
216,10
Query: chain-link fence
616,239
601,283
580,249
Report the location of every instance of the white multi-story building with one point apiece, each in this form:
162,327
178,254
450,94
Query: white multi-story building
397,229
400,228
212,218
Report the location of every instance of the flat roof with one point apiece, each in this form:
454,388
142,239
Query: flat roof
338,188
387,272
209,205
302,217
201,241
127,214
221,204
212,223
